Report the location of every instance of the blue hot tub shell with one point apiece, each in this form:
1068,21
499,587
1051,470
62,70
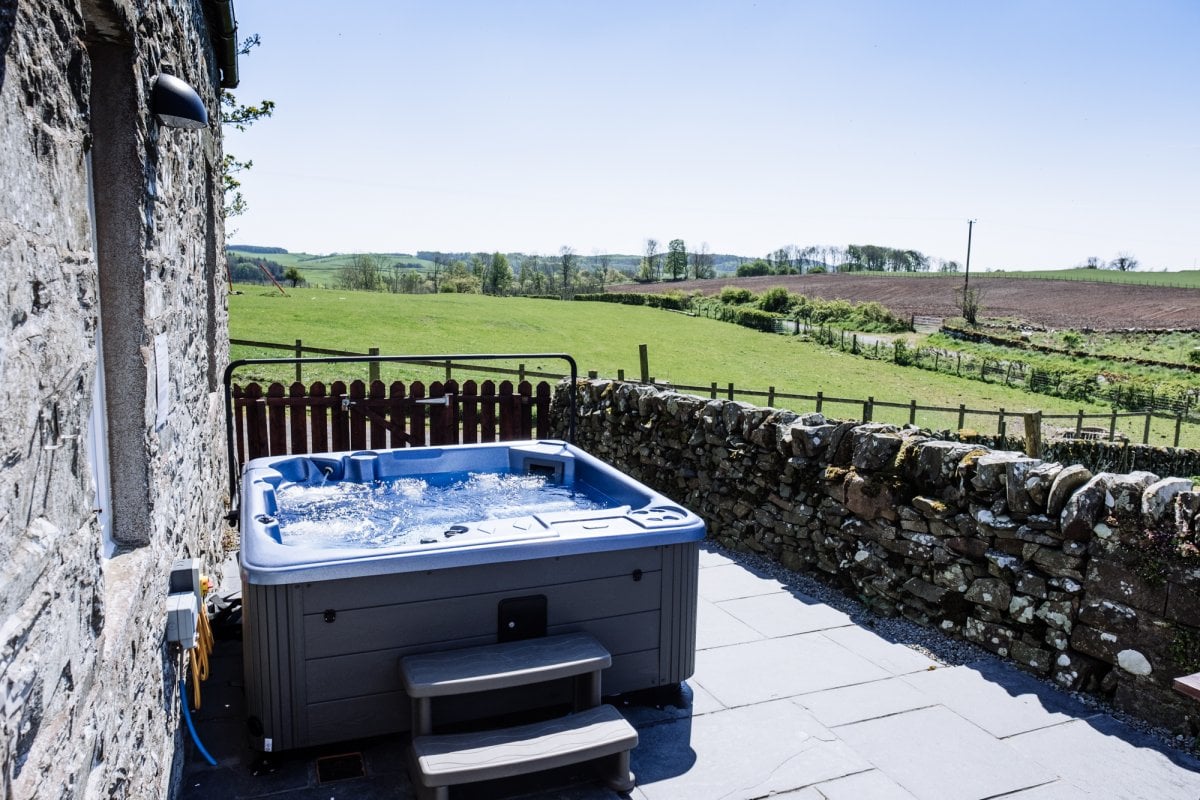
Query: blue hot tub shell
325,626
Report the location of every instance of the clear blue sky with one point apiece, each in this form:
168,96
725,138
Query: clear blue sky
1067,128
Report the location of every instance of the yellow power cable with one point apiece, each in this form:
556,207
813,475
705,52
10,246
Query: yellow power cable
199,654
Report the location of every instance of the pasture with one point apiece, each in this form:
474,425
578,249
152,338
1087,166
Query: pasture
604,338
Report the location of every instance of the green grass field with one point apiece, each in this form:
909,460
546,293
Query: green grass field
604,338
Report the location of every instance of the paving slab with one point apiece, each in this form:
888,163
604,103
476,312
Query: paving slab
937,755
755,672
872,785
740,754
1102,756
716,627
997,698
785,614
731,581
710,557
702,700
863,701
1058,790
807,793
891,656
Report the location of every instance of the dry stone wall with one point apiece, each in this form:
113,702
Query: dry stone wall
88,702
1092,580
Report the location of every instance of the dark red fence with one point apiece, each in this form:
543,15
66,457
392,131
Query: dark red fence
317,418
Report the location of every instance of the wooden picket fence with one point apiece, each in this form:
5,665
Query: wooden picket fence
316,418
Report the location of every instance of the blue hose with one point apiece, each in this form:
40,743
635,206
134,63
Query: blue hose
187,715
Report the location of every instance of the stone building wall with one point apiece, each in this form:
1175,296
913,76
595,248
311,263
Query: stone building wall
88,702
1091,580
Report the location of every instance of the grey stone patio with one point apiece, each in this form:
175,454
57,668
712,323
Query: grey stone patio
790,699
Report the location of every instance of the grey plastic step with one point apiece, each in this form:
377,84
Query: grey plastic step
499,666
449,760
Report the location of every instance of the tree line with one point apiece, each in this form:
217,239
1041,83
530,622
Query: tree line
812,259
560,275
567,273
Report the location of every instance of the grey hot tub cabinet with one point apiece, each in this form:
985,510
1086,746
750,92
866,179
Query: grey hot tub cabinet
321,657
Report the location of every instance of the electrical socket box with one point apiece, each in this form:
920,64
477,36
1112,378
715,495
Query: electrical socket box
185,577
182,613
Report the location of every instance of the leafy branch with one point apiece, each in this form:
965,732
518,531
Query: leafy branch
240,117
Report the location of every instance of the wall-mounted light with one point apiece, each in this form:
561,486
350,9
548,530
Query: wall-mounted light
176,105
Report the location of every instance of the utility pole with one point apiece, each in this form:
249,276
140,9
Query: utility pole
967,275
967,279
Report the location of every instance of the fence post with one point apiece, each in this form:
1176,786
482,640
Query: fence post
373,368
299,368
842,344
449,371
912,412
1079,424
520,373
731,391
1146,430
1001,427
1178,425
714,390
592,374
877,348
770,397
1112,425
936,357
621,375
962,415
958,371
644,358
820,401
868,408
1033,434
854,344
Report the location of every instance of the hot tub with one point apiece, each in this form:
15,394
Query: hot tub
351,560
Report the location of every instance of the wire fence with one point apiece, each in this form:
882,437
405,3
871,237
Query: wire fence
1009,372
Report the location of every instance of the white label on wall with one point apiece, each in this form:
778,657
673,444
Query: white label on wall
162,380
267,744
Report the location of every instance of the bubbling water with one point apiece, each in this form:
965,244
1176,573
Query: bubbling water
409,510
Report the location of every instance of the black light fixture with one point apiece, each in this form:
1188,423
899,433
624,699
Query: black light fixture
175,104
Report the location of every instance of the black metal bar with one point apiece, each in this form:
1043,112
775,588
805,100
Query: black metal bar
230,439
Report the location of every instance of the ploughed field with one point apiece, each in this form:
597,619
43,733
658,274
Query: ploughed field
1054,304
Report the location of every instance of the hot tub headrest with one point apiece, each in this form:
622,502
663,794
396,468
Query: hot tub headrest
550,460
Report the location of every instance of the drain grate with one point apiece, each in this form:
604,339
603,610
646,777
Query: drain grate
340,768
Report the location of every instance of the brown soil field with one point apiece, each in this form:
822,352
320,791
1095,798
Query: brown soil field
1049,303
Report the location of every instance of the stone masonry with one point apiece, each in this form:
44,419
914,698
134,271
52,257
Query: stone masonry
110,232
1090,580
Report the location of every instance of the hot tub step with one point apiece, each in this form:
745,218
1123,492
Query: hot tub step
499,666
449,760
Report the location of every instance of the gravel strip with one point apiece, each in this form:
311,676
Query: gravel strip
931,642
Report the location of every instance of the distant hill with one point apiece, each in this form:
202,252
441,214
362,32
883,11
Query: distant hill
723,263
255,248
